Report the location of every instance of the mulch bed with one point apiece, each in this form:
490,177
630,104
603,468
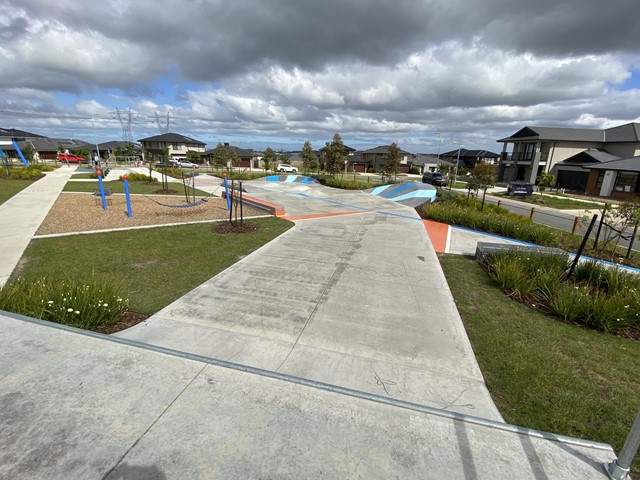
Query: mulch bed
126,320
81,212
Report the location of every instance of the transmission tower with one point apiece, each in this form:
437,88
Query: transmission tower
125,123
163,127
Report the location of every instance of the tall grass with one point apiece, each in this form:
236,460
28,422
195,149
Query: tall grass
90,305
599,297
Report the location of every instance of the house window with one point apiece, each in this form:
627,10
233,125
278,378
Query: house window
175,146
626,182
600,180
528,151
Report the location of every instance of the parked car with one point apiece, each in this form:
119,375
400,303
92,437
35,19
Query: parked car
434,178
69,157
285,167
518,188
184,164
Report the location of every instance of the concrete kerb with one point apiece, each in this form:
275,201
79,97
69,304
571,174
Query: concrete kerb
322,386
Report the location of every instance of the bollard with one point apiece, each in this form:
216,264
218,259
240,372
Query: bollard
226,191
499,203
126,193
104,199
619,469
533,210
576,222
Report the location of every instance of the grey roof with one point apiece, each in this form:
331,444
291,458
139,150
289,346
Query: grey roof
172,138
627,164
43,144
591,155
16,133
629,132
422,159
382,150
471,153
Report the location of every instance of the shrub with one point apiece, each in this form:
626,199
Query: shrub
602,298
90,305
32,172
139,177
242,175
414,170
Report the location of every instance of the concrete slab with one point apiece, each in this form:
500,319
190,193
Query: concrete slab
22,214
91,407
332,295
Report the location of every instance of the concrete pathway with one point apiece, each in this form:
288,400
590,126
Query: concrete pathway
22,214
91,407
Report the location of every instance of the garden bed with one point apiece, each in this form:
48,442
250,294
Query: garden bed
77,212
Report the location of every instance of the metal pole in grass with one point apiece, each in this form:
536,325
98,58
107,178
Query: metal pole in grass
582,245
226,191
104,199
619,469
632,240
127,196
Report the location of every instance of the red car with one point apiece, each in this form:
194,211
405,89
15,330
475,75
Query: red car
68,157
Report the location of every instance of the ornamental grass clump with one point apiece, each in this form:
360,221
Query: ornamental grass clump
597,296
90,305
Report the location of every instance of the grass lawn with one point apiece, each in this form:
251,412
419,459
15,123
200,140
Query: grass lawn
543,373
81,176
561,203
9,187
154,266
117,186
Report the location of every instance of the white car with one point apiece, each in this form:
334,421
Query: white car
285,167
184,164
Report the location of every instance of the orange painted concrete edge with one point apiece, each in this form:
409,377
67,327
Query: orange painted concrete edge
277,210
438,233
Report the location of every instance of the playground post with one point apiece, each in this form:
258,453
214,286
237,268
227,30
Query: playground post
126,193
104,199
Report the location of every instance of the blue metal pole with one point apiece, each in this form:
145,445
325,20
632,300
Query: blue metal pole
4,157
126,192
226,189
104,199
24,160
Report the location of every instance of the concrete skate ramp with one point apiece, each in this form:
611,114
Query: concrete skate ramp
411,194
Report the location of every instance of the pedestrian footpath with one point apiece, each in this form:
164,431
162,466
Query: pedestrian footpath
22,214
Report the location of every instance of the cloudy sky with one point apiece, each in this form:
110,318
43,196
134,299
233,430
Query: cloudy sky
257,73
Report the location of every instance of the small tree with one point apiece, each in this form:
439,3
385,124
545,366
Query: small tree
545,180
27,152
282,158
194,157
483,177
391,163
309,160
234,159
130,150
334,155
269,158
220,156
82,152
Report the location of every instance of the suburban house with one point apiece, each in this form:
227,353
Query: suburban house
615,178
246,157
107,148
374,158
428,162
566,153
44,148
178,145
348,151
470,158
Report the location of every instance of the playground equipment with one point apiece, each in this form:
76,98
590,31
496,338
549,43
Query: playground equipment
24,160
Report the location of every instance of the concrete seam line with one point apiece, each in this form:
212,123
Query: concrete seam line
133,445
322,386
324,290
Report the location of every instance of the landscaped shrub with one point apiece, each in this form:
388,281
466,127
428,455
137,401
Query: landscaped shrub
597,296
242,175
32,172
94,304
138,177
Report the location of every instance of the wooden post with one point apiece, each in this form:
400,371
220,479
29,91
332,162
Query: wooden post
499,203
574,229
533,210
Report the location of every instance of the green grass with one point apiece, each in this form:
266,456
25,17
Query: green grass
117,186
9,187
561,203
82,176
153,266
543,373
